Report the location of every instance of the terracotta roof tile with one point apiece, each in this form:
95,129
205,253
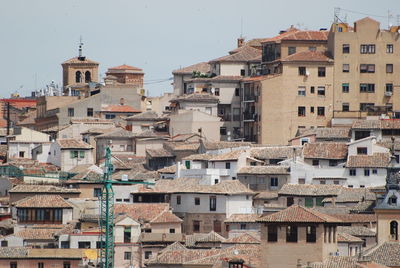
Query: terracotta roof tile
348,238
387,254
310,190
243,54
307,36
141,211
120,109
325,150
36,234
161,152
199,157
245,238
145,116
73,144
196,97
377,160
314,56
194,239
80,61
242,218
166,217
40,189
43,201
117,133
279,37
356,218
275,152
202,67
281,170
168,170
356,231
297,213
125,67
216,145
232,155
91,120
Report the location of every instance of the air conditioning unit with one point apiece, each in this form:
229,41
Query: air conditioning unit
388,94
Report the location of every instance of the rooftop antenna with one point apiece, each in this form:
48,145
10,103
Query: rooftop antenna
336,15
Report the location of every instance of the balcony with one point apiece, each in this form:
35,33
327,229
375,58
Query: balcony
247,116
250,98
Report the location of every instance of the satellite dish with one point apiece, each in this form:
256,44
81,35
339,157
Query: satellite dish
236,252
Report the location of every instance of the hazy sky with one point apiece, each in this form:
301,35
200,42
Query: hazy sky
156,35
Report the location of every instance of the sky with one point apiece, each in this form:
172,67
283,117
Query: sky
158,36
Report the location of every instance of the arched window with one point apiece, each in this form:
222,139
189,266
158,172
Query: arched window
394,230
78,75
87,77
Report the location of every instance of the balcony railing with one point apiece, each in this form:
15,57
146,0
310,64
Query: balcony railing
249,97
225,117
250,116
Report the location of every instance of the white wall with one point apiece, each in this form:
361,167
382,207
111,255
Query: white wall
372,180
187,203
67,215
239,204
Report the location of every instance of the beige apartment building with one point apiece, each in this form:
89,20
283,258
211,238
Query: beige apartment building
321,78
366,68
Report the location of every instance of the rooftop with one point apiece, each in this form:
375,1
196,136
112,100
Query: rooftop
202,67
239,218
299,214
281,170
356,230
309,56
196,97
242,54
387,254
73,144
377,160
43,201
310,190
119,109
325,150
32,188
217,145
276,152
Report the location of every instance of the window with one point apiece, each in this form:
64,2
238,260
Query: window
289,201
369,88
97,192
352,172
187,164
81,154
237,92
367,49
301,91
178,199
394,230
374,171
216,181
346,48
367,68
318,201
78,76
89,111
87,77
346,68
110,116
309,202
392,200
364,106
216,91
13,265
389,48
242,72
366,172
67,264
336,182
291,50
4,243
127,255
362,150
197,201
302,71
147,255
70,112
321,71
345,107
321,91
301,111
84,244
321,111
389,87
74,154
389,68
312,90
345,87
196,226
222,131
64,244
312,109
272,233
171,230
243,226
311,234
213,203
274,182
21,154
315,162
236,115
333,163
302,181
312,48
291,233
40,265
227,165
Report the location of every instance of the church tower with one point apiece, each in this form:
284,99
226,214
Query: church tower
79,71
387,209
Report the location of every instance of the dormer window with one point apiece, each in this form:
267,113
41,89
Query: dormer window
392,200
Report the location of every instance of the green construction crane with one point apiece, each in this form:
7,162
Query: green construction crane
107,213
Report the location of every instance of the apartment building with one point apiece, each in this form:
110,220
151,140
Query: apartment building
365,68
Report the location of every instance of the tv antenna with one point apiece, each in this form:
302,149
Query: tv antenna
80,46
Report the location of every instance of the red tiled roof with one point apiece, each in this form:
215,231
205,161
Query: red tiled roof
166,217
325,150
73,144
297,213
120,109
377,160
307,35
317,56
202,67
144,211
125,67
77,60
43,201
279,37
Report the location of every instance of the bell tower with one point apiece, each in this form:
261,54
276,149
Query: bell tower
80,70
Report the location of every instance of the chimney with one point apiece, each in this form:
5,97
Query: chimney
122,101
240,42
178,170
